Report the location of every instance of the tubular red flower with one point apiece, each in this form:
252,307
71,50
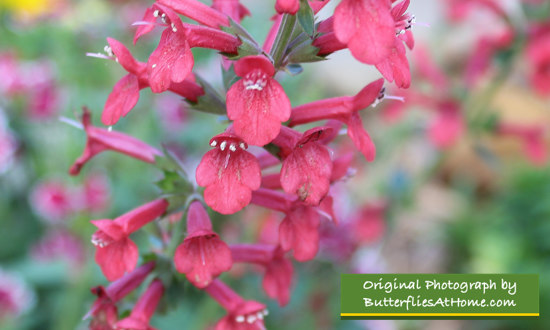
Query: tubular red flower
241,314
232,8
229,173
287,6
197,11
367,27
144,308
104,310
203,255
345,109
100,139
278,270
116,253
307,167
257,103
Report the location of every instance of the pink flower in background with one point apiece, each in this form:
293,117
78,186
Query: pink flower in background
16,297
369,224
11,81
241,314
95,193
143,309
278,269
60,244
367,27
100,139
447,126
8,145
532,138
116,253
287,6
257,103
232,8
538,55
203,255
229,173
172,112
52,201
104,311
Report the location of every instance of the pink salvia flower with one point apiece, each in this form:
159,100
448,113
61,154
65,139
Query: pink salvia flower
287,6
307,167
367,27
104,311
538,54
299,229
100,139
232,8
203,255
278,269
229,173
52,201
172,60
116,253
345,109
241,314
143,309
197,11
257,103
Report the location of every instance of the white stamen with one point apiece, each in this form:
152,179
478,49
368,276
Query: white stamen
99,55
156,13
110,128
222,145
266,312
251,319
174,28
154,65
232,147
260,315
242,145
71,122
239,319
214,143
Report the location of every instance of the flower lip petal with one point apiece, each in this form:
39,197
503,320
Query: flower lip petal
315,134
248,64
172,16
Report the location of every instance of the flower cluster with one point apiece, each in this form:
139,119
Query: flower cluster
272,154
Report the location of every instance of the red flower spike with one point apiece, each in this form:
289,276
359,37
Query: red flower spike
287,6
367,27
299,232
172,60
278,270
100,139
197,11
241,314
345,109
115,251
203,255
232,8
104,310
143,309
448,125
257,103
307,169
229,173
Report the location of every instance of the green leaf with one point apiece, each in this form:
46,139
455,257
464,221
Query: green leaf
306,18
304,52
248,45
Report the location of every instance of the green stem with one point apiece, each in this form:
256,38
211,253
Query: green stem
283,37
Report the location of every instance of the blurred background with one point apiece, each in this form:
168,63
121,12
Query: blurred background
461,183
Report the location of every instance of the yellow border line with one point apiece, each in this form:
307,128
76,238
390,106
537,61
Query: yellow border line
439,314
